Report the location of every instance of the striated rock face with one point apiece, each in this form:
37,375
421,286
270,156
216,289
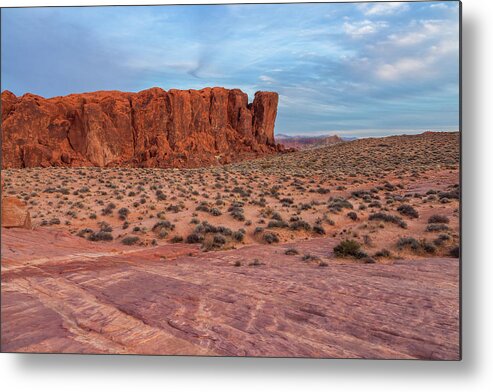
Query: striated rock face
151,128
61,294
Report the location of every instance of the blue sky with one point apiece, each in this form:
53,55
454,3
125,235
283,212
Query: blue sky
353,69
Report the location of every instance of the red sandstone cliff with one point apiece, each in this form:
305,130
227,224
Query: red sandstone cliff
151,128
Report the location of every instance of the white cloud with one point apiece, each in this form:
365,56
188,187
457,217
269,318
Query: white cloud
387,8
440,6
444,48
427,65
426,30
267,79
408,39
402,67
365,27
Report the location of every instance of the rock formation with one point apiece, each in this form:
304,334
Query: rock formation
308,142
14,212
151,128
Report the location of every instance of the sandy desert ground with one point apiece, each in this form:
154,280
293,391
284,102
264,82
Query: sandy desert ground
349,250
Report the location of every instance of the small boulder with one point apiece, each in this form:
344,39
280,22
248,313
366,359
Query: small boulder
15,213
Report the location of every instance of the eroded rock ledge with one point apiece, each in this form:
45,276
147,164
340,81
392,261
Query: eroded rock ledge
151,128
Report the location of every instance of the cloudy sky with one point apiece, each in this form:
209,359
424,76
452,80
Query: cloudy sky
353,69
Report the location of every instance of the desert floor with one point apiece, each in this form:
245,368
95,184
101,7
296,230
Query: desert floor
344,251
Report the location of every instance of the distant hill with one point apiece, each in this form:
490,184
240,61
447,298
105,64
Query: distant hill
301,142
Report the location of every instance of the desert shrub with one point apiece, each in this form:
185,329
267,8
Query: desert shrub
106,227
255,263
219,239
108,210
206,227
436,227
441,239
428,247
277,223
100,236
454,194
270,237
380,216
300,225
318,229
304,206
291,252
203,206
375,204
389,187
352,215
276,216
415,245
164,224
236,211
130,240
73,214
383,253
214,242
438,219
258,230
83,232
215,212
194,238
408,242
173,208
309,257
408,210
287,201
163,233
455,252
338,204
349,248
224,230
176,239
238,235
123,213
